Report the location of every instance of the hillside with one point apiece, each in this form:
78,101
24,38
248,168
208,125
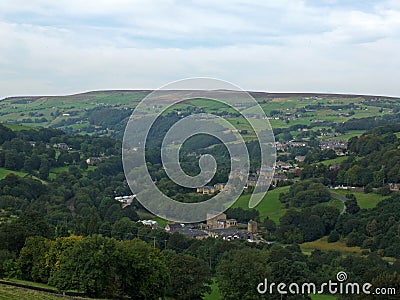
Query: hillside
106,112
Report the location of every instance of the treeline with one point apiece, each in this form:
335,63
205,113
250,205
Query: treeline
96,266
373,162
376,229
379,163
99,266
32,150
77,201
367,123
313,220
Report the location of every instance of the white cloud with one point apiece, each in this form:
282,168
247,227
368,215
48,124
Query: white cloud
56,47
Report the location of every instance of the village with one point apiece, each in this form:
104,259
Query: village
217,225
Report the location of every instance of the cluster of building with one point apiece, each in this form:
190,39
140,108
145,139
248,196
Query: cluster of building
210,189
91,161
339,146
62,146
125,200
330,134
217,226
276,174
95,160
394,187
285,146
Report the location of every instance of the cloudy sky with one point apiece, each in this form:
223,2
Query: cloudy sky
69,46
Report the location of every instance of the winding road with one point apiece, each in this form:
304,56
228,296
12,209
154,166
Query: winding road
341,198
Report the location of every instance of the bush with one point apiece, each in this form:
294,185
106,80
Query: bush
333,237
384,191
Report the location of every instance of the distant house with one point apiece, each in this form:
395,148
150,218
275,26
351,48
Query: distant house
252,181
296,171
336,145
278,177
61,146
230,234
125,200
265,171
219,186
206,190
92,161
252,226
280,146
173,227
213,218
150,223
226,223
394,187
186,230
281,165
296,144
300,158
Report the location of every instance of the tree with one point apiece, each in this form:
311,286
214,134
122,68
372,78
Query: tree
240,272
352,206
269,225
6,134
178,242
44,169
56,249
305,193
141,270
242,215
124,229
88,266
32,259
13,160
190,276
103,267
333,237
30,223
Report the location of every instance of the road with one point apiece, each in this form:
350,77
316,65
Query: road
341,198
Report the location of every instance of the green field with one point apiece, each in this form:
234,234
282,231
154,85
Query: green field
322,244
31,283
336,203
4,172
15,293
272,208
269,207
336,160
364,200
59,169
347,135
215,295
18,127
8,292
73,109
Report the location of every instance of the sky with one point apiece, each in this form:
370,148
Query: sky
63,47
